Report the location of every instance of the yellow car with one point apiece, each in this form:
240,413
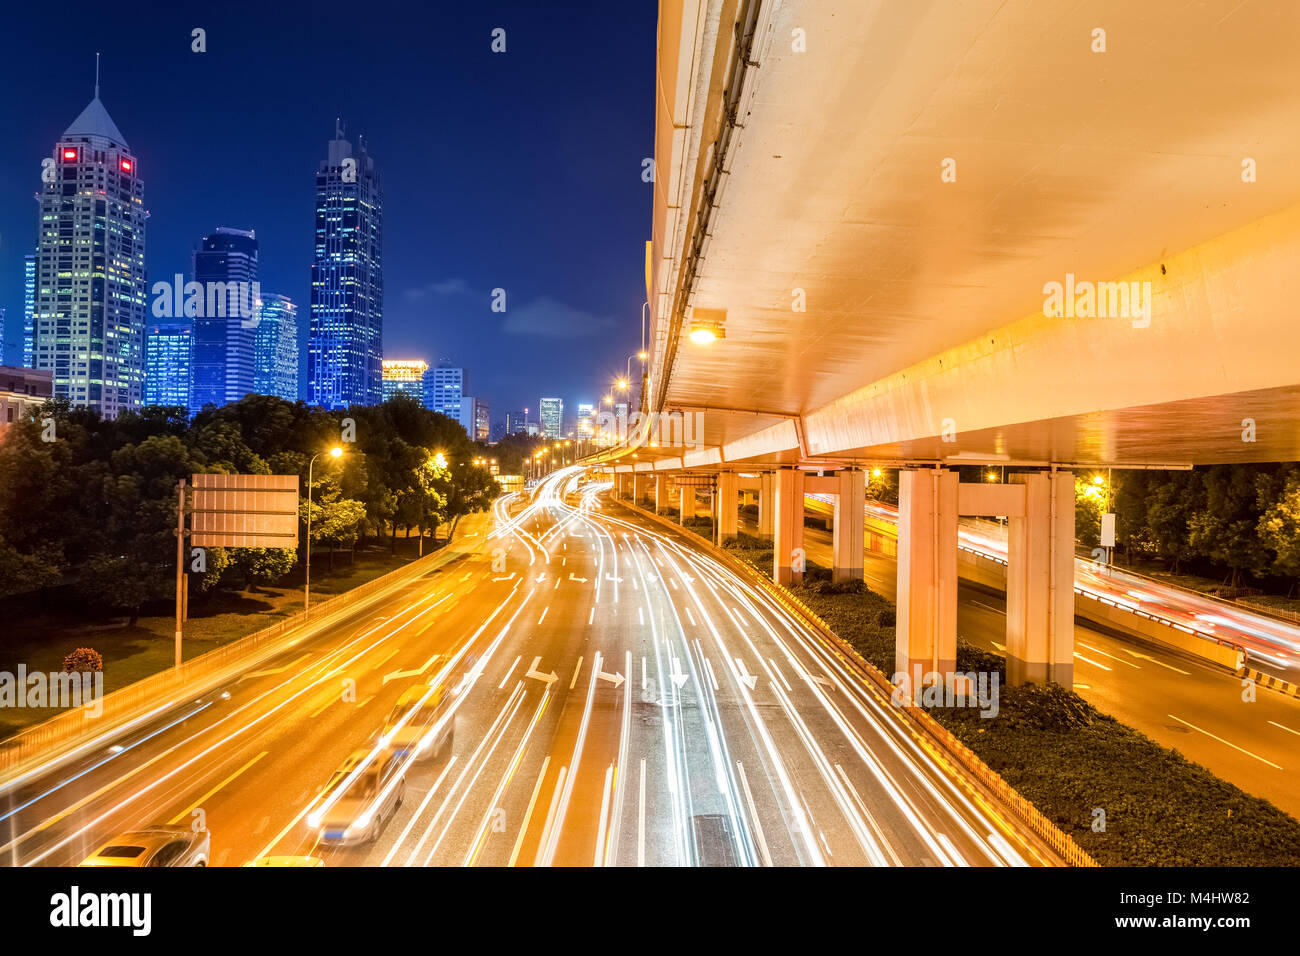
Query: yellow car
154,846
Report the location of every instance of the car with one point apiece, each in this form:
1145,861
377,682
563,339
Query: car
154,846
360,799
286,861
416,727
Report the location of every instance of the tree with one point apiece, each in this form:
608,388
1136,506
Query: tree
1225,529
335,520
1279,528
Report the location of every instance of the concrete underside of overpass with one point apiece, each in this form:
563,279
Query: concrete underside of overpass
915,176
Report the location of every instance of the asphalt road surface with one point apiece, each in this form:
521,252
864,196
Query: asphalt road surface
615,697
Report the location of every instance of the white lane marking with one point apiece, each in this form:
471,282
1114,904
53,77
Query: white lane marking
1287,729
270,672
780,675
1147,657
604,816
1222,741
576,671
640,614
640,813
592,616
1098,650
643,672
502,685
528,814
753,814
1092,662
690,617
544,612
713,678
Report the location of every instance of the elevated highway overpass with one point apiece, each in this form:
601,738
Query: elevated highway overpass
926,235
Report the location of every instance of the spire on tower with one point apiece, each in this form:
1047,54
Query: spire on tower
96,76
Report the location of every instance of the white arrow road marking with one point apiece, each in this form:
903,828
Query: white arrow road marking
614,679
549,679
398,675
579,580
821,680
274,670
506,578
542,576
745,675
678,678
610,577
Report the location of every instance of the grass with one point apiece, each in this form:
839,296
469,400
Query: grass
1070,759
131,652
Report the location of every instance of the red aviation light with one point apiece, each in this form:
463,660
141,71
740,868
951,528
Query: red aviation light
69,154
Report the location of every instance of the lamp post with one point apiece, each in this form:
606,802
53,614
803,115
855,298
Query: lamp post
334,452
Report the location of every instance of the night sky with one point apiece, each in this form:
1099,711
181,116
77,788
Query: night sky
519,170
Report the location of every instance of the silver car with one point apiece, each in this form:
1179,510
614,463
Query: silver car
354,810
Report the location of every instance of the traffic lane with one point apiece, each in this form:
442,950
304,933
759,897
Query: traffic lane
1205,714
904,793
292,703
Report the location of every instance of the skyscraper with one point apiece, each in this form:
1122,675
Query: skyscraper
473,417
347,286
169,357
225,326
29,307
551,412
275,348
89,309
407,376
445,387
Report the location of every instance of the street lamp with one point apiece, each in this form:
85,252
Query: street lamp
334,452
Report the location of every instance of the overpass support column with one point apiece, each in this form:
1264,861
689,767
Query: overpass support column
765,509
787,523
1040,583
661,493
686,507
926,628
728,507
848,537
623,483
639,481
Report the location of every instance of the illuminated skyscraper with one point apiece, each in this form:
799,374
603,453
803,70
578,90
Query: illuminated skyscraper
225,328
29,307
551,412
275,363
345,349
405,375
89,303
169,356
445,387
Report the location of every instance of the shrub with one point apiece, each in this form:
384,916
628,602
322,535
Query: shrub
82,660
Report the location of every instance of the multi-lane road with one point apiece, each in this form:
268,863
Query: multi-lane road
615,697
1183,703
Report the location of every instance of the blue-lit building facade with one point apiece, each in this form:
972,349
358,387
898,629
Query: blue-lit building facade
169,354
444,388
225,267
29,307
276,348
345,345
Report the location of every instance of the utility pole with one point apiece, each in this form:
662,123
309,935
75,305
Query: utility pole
180,563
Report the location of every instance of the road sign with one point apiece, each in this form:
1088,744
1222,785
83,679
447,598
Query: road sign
1108,530
245,511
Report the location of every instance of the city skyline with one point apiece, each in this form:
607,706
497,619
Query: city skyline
439,281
